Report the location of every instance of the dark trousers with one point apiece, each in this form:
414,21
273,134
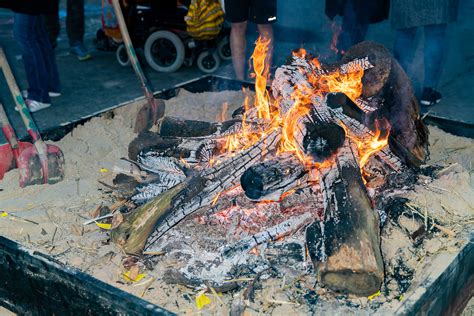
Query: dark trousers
74,23
435,41
38,56
354,27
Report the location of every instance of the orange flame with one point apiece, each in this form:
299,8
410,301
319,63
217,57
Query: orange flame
367,147
321,83
261,68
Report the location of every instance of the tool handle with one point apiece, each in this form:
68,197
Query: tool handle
17,97
8,129
132,55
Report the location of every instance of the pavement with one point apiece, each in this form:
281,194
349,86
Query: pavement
100,83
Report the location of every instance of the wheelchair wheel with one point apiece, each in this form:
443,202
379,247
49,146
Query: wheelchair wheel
208,62
164,51
223,49
122,57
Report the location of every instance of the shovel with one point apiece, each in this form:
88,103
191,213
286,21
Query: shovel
10,152
152,110
39,163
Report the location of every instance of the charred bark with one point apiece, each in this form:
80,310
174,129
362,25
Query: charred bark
388,81
270,179
386,94
155,218
176,127
345,247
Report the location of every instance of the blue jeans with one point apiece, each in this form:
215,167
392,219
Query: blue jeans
38,57
435,41
354,27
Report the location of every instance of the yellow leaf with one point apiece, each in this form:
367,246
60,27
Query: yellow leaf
202,300
126,276
400,298
4,214
371,297
104,225
103,170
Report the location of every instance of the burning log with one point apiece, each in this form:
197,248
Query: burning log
319,145
345,247
271,178
156,217
388,81
191,150
383,82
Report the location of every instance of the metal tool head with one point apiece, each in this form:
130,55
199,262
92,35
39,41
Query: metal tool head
35,170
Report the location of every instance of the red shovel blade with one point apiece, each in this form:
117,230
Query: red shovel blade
7,157
31,169
7,160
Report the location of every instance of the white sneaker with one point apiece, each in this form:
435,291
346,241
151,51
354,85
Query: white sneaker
51,94
35,106
54,94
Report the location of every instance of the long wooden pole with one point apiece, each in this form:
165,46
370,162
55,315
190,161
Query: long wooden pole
157,110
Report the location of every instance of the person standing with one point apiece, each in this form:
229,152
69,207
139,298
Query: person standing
74,27
238,13
407,16
37,53
356,17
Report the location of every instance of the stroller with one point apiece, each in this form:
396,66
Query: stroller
159,28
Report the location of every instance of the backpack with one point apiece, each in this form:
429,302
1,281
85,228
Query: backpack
204,19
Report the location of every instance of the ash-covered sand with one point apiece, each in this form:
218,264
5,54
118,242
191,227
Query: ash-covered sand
92,150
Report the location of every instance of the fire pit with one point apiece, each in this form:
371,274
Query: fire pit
281,205
309,175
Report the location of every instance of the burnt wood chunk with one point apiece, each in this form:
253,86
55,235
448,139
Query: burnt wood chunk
389,81
176,127
147,140
345,246
153,219
384,81
270,179
323,138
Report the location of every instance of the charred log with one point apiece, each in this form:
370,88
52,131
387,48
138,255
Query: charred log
155,218
384,81
369,119
147,140
176,127
323,137
345,247
400,105
270,179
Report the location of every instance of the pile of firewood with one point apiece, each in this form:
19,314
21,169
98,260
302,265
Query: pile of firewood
327,178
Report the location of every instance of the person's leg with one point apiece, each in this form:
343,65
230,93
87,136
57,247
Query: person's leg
264,14
25,34
405,47
52,27
266,31
49,58
435,41
75,22
238,46
75,28
354,29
